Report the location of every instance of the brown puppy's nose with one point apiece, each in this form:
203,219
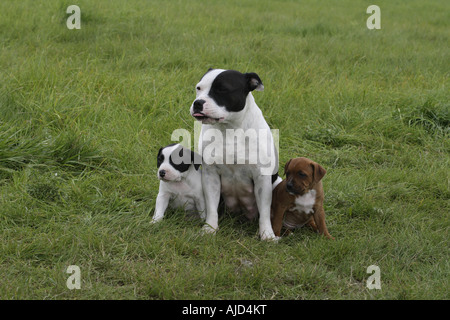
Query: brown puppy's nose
290,186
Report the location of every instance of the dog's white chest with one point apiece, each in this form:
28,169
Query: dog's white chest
305,203
182,195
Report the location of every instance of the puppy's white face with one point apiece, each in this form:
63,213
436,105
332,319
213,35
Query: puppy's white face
221,95
174,162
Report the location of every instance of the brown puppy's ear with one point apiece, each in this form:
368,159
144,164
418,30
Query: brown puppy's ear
318,171
286,166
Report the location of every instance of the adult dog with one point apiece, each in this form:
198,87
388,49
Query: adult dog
239,157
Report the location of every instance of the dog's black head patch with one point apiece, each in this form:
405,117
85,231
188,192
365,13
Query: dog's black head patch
180,158
230,89
177,161
160,157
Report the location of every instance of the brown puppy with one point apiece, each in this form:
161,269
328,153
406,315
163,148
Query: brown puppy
299,198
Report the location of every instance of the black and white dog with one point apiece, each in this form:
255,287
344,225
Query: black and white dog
180,184
243,173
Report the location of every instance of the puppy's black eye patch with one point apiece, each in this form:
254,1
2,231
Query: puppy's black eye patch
159,160
181,167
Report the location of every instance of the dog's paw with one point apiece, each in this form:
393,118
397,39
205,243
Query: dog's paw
275,239
156,220
207,229
268,236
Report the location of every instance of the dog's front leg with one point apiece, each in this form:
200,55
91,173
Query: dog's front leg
211,190
263,195
162,201
319,219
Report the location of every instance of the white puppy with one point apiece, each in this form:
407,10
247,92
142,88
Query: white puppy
180,181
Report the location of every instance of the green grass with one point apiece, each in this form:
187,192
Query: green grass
83,113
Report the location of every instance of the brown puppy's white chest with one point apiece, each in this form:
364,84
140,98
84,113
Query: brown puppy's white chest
305,203
300,211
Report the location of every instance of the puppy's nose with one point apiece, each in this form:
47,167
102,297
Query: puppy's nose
289,186
162,173
198,105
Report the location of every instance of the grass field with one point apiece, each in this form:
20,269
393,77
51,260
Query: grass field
84,112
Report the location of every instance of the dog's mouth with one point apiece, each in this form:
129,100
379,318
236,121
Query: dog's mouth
291,190
170,179
200,116
204,118
295,191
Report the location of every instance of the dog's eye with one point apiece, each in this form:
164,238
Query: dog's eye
301,174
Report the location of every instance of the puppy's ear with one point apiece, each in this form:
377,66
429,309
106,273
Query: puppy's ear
196,159
286,166
318,172
159,157
254,82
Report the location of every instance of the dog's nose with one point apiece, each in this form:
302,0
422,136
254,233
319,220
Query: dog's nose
162,173
198,105
289,186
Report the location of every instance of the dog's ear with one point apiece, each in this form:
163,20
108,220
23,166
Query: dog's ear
206,72
286,166
318,172
196,159
159,157
254,82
